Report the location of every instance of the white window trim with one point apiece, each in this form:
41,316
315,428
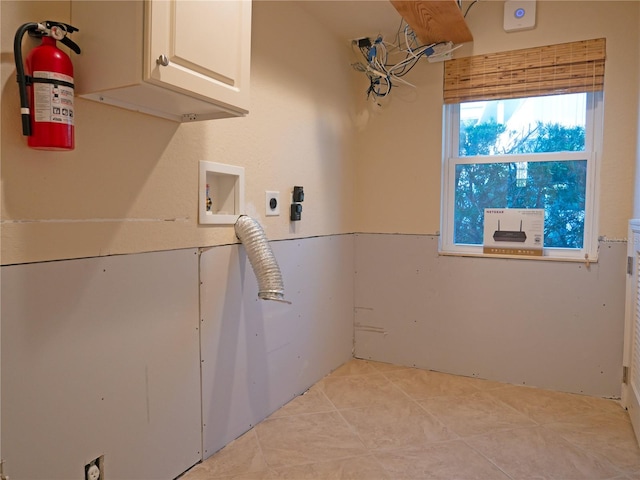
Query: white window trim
593,147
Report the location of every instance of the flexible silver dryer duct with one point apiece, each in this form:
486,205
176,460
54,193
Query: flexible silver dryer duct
261,257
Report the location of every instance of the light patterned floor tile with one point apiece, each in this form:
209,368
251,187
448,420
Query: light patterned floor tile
607,434
262,475
439,461
241,457
482,384
475,413
630,476
397,425
371,420
606,405
534,452
357,468
387,367
545,406
361,391
354,367
312,401
420,384
301,439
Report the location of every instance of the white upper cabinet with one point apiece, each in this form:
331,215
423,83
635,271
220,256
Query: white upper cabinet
185,60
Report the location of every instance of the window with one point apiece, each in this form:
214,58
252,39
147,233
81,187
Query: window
536,151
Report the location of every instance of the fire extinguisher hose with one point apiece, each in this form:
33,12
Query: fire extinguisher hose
22,79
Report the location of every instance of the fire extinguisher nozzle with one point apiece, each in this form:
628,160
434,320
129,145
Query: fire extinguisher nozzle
26,125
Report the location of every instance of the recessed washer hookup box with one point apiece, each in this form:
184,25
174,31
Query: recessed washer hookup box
514,231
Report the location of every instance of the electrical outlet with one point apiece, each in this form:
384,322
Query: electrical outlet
94,470
93,473
442,52
272,201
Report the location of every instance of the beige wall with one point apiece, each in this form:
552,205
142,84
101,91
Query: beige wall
131,184
399,161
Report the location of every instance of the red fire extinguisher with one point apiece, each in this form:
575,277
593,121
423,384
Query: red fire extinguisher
46,89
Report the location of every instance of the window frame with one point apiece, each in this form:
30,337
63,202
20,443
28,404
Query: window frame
591,153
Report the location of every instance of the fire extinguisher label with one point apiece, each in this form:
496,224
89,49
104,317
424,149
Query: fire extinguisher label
53,97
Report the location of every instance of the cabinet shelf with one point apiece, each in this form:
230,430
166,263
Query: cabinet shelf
435,21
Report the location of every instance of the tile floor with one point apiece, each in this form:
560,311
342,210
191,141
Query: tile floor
370,421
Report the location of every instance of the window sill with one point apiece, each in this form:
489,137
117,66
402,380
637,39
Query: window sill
520,257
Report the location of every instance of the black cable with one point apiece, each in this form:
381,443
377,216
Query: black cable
398,32
469,7
406,68
405,71
377,83
381,84
21,77
409,65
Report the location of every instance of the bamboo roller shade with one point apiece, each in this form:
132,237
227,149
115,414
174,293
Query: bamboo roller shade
554,69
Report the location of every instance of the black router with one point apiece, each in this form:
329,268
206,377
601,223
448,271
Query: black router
509,235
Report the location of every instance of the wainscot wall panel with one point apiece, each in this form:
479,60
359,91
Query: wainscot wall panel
100,356
256,354
555,325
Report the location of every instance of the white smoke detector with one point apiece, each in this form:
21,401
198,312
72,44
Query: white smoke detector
519,15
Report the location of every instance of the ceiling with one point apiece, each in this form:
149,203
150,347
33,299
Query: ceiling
351,19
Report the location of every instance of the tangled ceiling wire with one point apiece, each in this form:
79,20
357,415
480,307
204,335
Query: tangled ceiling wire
386,63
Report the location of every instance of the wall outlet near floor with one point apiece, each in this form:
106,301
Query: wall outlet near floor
94,470
272,201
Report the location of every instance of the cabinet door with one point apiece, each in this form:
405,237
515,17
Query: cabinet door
207,45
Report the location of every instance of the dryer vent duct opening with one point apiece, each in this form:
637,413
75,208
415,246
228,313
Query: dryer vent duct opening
261,258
